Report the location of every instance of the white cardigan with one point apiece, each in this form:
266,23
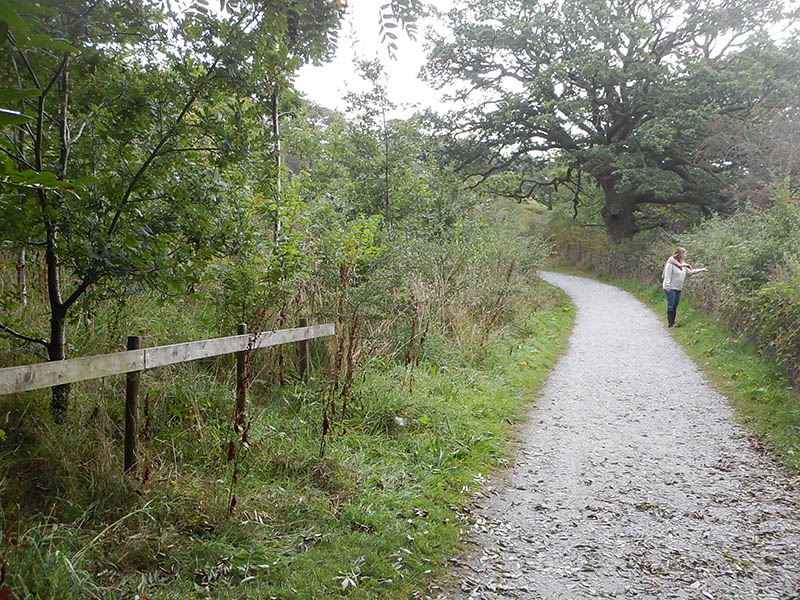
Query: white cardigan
673,277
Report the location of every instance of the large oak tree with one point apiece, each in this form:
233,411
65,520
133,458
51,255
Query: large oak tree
619,92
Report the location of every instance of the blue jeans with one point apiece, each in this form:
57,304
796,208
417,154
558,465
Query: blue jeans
673,298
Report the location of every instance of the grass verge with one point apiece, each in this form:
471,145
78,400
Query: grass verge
759,393
376,517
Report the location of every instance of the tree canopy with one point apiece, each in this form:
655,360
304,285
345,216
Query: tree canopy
126,129
619,94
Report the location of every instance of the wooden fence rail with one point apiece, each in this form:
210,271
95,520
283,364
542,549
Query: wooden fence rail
43,375
14,380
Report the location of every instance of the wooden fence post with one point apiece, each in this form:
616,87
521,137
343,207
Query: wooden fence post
241,382
302,351
132,411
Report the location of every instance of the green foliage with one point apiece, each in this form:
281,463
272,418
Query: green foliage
745,249
402,13
148,198
754,264
620,94
187,224
775,313
129,147
390,489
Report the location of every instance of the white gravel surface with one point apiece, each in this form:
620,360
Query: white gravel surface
632,479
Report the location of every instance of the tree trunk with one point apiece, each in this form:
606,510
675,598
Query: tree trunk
57,350
617,213
57,344
276,138
22,280
386,193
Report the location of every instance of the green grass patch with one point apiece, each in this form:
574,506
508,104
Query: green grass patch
376,517
760,394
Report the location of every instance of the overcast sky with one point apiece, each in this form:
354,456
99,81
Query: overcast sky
360,39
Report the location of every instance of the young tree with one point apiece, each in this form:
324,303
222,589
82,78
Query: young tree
371,144
125,120
619,92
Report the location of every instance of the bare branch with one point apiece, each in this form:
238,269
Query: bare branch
196,149
19,159
22,336
82,287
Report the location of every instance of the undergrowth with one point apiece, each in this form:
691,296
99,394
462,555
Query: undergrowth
376,517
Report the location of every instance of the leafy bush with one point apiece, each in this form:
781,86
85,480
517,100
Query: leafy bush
775,315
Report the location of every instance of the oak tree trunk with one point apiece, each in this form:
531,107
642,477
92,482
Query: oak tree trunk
617,213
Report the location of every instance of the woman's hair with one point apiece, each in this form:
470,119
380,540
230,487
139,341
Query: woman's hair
678,252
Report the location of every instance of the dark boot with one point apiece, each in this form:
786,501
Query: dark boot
671,318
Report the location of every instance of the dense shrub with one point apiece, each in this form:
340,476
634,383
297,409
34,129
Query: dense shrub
775,316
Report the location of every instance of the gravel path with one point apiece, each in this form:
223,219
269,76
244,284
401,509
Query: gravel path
632,480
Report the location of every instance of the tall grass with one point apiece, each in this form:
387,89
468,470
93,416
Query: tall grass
376,517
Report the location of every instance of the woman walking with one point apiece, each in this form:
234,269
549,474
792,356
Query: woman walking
675,271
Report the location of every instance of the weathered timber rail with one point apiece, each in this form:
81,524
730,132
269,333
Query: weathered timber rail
14,380
24,378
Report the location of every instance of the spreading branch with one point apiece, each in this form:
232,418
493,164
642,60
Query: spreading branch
22,336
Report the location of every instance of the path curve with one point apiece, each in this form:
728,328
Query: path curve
632,481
